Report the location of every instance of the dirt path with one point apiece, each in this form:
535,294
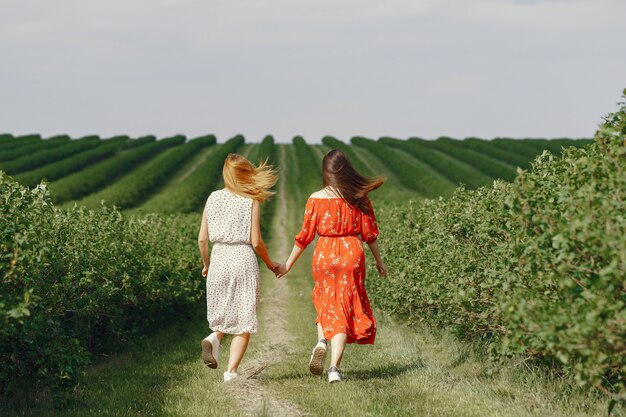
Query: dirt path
275,342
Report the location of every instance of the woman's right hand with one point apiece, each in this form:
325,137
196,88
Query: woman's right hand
205,271
283,271
382,269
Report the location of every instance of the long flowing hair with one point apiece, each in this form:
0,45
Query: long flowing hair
244,178
338,172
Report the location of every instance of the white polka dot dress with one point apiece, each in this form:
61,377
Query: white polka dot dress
232,285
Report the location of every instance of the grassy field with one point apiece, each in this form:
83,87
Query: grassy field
410,370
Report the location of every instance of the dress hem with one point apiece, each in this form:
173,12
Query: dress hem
235,331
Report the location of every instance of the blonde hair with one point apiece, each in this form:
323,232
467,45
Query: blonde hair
243,178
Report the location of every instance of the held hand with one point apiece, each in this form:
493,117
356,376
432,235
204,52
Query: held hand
382,269
205,271
281,272
274,267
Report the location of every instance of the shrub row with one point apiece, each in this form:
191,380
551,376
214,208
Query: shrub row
483,163
535,267
309,177
528,148
47,156
75,163
95,177
508,156
78,282
555,145
191,194
33,144
134,187
409,172
267,151
11,143
445,165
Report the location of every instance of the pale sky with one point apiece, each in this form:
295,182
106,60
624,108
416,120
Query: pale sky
428,68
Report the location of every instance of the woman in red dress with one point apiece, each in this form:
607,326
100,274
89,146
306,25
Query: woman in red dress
342,215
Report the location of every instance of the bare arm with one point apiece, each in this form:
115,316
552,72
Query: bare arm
203,243
257,239
295,254
380,265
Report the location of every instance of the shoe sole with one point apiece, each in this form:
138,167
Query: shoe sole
332,380
207,354
316,364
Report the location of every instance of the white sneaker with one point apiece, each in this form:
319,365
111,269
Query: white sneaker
316,364
210,350
334,375
230,376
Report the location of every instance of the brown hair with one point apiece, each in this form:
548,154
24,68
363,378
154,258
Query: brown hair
338,172
243,178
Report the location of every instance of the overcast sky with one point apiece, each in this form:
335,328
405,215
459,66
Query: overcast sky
428,68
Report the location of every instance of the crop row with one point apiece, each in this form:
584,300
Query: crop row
78,283
97,176
11,143
507,155
267,151
15,152
535,267
488,166
309,173
59,169
191,193
449,167
134,187
46,156
411,173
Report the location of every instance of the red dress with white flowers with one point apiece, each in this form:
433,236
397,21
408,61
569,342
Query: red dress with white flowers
339,266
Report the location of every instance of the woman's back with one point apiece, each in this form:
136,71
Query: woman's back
228,217
331,216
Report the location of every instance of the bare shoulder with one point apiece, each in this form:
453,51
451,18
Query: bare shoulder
319,194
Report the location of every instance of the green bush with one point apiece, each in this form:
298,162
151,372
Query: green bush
47,156
134,187
536,267
95,177
78,282
449,167
568,299
409,172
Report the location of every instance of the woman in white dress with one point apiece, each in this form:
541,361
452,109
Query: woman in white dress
231,222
